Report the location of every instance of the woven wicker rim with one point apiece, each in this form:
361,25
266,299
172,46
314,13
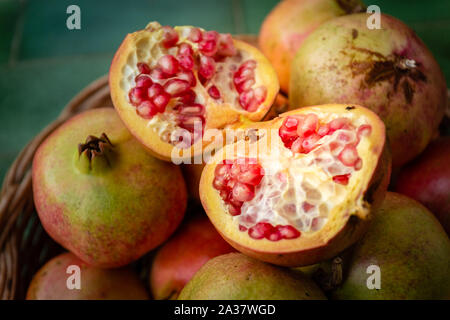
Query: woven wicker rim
24,246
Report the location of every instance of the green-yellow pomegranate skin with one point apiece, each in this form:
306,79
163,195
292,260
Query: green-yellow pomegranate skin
235,276
388,70
113,210
50,282
411,249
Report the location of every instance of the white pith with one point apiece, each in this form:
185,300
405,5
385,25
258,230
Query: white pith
149,49
279,201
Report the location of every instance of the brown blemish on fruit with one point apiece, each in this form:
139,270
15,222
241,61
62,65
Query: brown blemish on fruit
354,34
350,108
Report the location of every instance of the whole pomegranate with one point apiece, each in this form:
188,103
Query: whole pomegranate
235,276
290,22
183,255
170,85
388,70
410,248
427,180
304,189
101,195
50,282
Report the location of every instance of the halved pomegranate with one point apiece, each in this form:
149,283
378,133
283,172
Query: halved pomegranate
169,85
304,189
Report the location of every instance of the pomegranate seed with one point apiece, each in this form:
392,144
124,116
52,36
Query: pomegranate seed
358,164
143,68
234,210
155,90
219,182
251,176
338,123
158,74
310,142
226,46
191,123
261,230
185,49
291,123
189,77
214,92
364,130
176,87
260,94
323,130
297,145
208,46
242,228
170,37
147,109
186,62
222,170
243,192
168,64
308,126
161,101
207,67
143,81
342,179
288,232
307,206
188,97
249,64
195,110
348,156
195,35
137,96
247,101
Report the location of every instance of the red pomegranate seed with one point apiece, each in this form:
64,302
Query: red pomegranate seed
338,123
260,94
251,176
186,62
137,95
158,74
291,123
245,85
243,192
274,235
307,206
226,45
242,228
176,87
234,210
247,101
358,164
143,81
323,130
310,142
222,170
348,156
185,49
195,35
207,67
190,123
161,101
297,145
261,230
364,130
249,64
288,232
147,109
189,77
208,46
308,125
219,182
188,97
170,37
342,179
214,92
195,110
155,90
143,68
168,64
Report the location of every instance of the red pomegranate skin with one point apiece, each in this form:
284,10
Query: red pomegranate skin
427,180
196,242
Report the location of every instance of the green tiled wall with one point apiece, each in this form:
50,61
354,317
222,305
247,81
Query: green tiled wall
43,64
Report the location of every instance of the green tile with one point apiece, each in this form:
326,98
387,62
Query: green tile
105,23
34,93
9,13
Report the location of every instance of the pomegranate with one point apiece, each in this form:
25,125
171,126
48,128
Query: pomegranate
183,255
388,70
289,24
427,180
411,249
169,85
235,276
192,174
105,198
304,189
50,282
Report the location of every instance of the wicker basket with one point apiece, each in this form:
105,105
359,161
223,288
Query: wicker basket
24,245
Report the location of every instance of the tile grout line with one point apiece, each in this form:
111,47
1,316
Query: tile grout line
240,27
18,35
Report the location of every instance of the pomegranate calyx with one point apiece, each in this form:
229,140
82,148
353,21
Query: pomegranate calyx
95,147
